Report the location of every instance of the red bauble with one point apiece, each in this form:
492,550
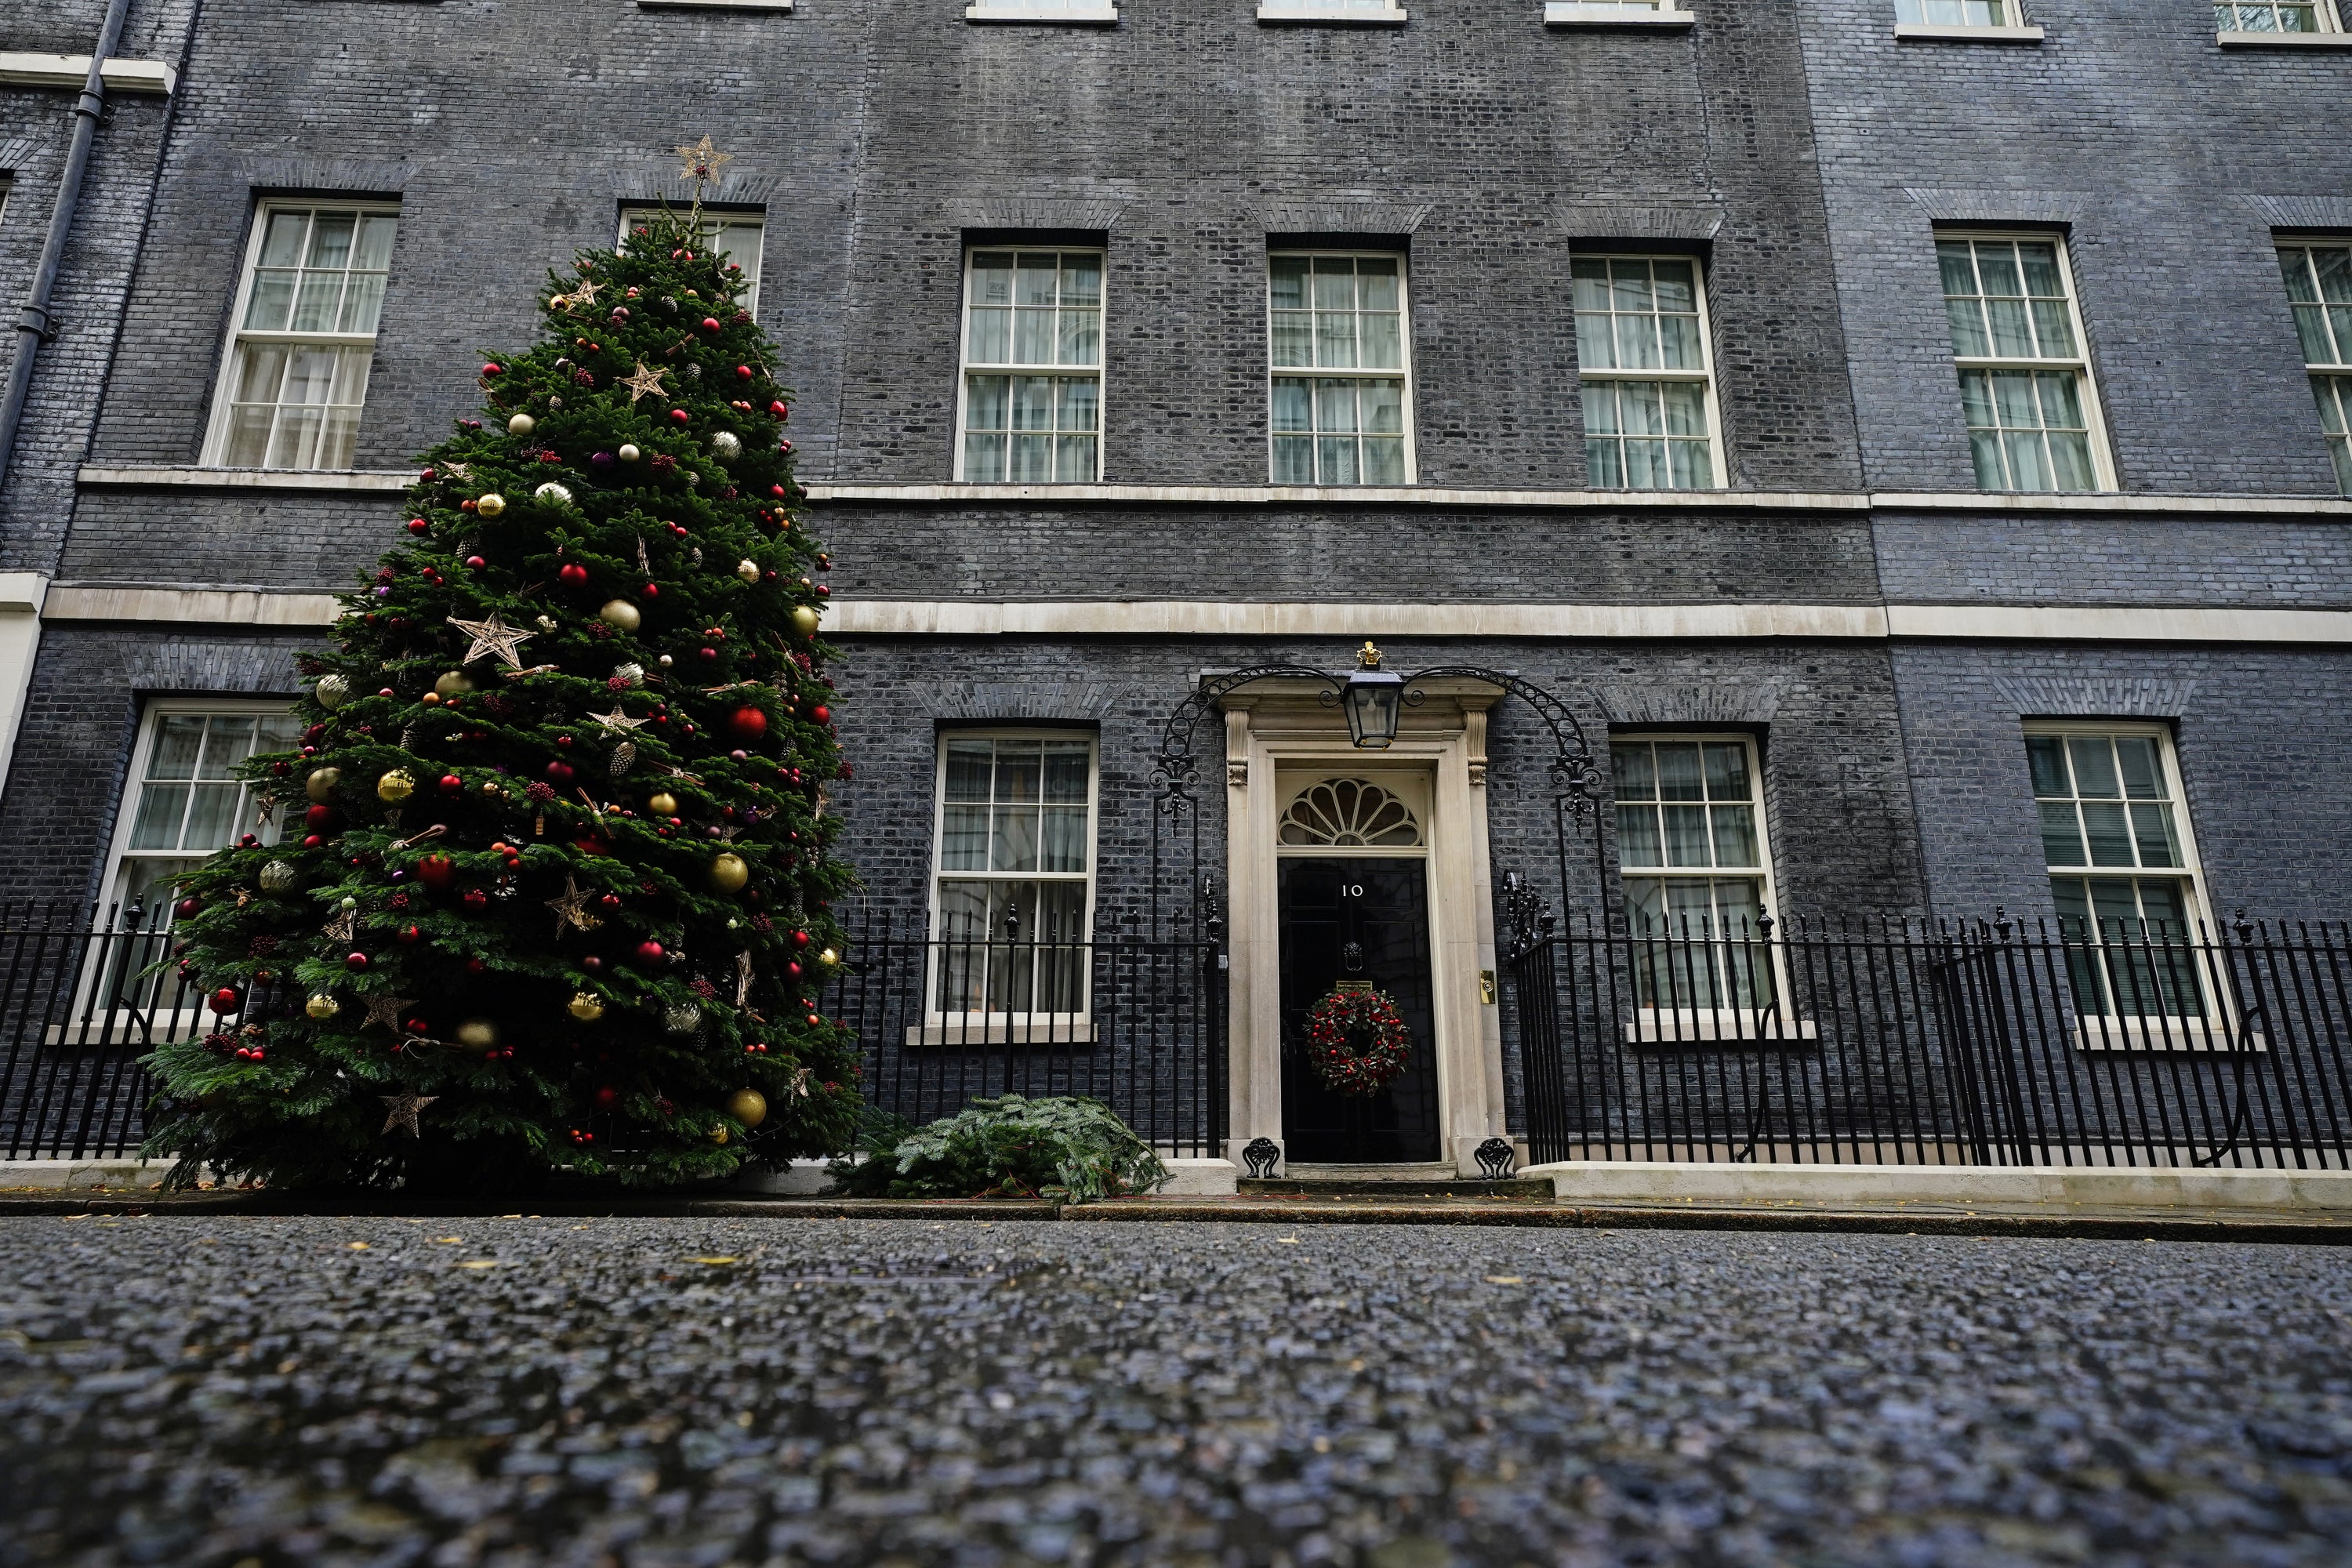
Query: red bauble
475,562
320,817
607,1097
709,323
744,370
651,590
680,415
821,713
355,961
573,575
592,964
747,724
475,966
225,999
418,525
777,409
187,908
312,841
451,783
559,773
435,871
610,901
477,900
649,954
800,939
490,370
409,934
710,654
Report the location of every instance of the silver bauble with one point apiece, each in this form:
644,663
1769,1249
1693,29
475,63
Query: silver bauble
552,493
277,876
332,691
727,444
681,1017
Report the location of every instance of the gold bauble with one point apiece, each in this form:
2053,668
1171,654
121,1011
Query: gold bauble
620,613
323,1006
585,1005
804,620
395,786
277,876
490,505
332,691
320,785
747,570
719,1135
829,958
747,1106
478,1034
662,805
453,683
728,872
521,425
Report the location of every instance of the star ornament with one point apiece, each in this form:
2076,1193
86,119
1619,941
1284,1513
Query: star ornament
571,908
703,162
617,722
400,1111
647,383
492,637
386,1010
583,295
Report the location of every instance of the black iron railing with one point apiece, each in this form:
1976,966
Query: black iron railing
1135,1023
1981,1043
78,1010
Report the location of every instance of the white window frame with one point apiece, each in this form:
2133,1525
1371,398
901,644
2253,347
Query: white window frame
967,367
1654,1025
1345,13
216,433
1704,376
722,218
2337,371
106,970
968,1028
2102,465
2216,1029
1402,371
2329,31
1912,20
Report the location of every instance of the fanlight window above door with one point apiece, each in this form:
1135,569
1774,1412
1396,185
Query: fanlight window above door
1350,813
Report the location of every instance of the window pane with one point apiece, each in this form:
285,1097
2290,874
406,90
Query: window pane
1735,835
1383,460
1335,340
1630,766
2094,768
1333,280
1382,403
1335,461
1294,460
2152,830
1287,282
281,242
1687,837
2110,836
1679,774
160,809
991,341
2062,834
964,838
179,741
212,816
1067,770
1376,283
2046,755
969,770
1727,770
272,301
1382,343
2143,779
1637,835
1294,339
1013,844
1065,846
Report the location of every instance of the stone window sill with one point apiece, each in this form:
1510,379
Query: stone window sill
315,480
783,7
1325,13
1101,16
1573,14
1967,34
2284,40
22,68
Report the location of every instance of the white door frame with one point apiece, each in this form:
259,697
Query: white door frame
1281,724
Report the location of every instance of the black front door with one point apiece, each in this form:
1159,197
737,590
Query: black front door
1357,920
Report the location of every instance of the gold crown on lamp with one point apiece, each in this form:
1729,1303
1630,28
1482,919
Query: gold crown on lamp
1368,656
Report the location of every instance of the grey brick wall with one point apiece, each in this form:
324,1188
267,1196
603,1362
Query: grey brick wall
2128,126
2279,562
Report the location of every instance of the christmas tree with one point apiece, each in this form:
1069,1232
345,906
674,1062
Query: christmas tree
553,885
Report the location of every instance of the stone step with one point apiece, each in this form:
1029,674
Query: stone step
1383,1187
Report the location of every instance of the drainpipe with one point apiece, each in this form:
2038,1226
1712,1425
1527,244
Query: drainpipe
32,320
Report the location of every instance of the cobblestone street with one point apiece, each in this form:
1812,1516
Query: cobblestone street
256,1391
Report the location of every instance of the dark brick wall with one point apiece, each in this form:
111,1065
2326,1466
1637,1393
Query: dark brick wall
2261,732
2129,127
2273,563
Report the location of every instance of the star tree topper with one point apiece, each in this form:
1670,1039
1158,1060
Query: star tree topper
490,636
703,162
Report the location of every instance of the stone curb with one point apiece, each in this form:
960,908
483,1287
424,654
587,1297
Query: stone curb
2318,1229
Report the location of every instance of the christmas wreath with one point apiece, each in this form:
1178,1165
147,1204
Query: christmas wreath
1357,1041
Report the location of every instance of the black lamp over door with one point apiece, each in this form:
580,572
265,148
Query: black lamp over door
1373,698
